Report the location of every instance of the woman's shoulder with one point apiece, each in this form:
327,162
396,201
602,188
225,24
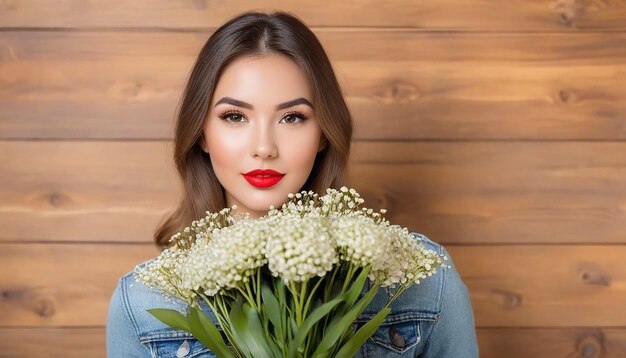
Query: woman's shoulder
446,282
423,300
137,299
428,298
133,331
428,243
415,313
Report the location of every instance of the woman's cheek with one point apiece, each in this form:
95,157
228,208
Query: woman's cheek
226,146
303,150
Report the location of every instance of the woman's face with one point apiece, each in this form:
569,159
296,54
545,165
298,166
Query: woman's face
261,117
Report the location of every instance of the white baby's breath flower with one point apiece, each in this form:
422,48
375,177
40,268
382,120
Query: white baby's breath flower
360,240
302,203
228,259
299,248
164,273
408,261
340,202
303,238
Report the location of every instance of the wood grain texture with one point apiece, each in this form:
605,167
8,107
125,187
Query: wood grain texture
482,15
456,192
586,342
544,285
510,285
50,342
81,191
401,85
62,285
497,128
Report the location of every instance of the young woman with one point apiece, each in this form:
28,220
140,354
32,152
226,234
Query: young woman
262,116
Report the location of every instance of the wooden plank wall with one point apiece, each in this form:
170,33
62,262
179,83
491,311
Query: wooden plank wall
497,128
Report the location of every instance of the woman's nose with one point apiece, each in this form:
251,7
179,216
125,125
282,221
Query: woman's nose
264,144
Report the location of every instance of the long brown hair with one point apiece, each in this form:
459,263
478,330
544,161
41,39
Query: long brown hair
253,33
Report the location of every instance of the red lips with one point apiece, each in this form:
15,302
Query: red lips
263,178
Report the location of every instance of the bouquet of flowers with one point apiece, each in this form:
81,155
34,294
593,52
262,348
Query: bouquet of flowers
291,283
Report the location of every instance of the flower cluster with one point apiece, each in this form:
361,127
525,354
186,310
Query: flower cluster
308,236
166,271
228,258
299,248
361,241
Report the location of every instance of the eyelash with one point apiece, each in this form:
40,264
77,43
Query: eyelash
225,115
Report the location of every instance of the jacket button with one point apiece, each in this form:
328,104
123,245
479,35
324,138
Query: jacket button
396,338
183,350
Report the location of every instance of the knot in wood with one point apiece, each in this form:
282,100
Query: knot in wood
398,92
509,299
592,274
590,345
44,307
569,11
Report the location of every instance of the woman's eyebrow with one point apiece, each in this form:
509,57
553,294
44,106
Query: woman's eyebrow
294,102
284,105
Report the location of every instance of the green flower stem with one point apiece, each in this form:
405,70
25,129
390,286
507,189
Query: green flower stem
313,336
256,283
306,309
311,295
303,296
351,269
294,293
247,295
213,308
173,279
276,282
397,294
222,318
328,291
328,288
297,299
258,287
251,295
225,318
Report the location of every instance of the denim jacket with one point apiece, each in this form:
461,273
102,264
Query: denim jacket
431,319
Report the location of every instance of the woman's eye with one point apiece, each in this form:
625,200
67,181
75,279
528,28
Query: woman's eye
293,118
236,117
233,117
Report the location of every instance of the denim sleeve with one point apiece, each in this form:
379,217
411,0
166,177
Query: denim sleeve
121,331
453,334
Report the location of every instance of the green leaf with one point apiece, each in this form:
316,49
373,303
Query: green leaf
292,346
171,318
276,347
358,339
205,331
259,346
238,327
314,317
248,330
338,326
357,286
279,287
272,308
294,325
320,355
